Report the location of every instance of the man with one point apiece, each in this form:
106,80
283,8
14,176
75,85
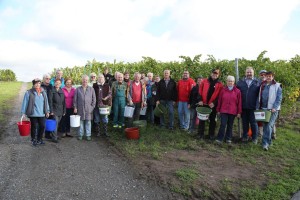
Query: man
193,100
154,99
113,79
59,74
249,87
103,98
270,97
209,92
184,88
119,89
167,96
93,79
107,75
137,95
127,77
262,77
47,86
150,105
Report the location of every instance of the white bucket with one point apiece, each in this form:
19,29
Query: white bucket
128,112
143,111
75,120
104,110
203,117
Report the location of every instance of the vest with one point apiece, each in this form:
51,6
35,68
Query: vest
30,107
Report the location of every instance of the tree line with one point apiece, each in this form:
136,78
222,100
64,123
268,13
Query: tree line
7,75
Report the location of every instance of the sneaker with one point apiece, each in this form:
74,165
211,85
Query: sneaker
33,143
254,141
265,148
244,139
88,138
115,126
218,142
228,141
79,137
120,126
63,135
55,140
40,142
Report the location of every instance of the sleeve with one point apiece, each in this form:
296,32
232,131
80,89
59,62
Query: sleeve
48,106
220,101
239,108
175,94
278,99
64,104
25,103
158,90
50,100
200,91
75,98
93,98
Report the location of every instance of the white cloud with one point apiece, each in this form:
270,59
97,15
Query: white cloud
61,33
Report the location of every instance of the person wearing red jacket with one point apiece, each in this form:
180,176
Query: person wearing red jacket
229,106
209,92
184,88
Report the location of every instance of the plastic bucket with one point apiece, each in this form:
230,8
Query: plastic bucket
141,124
143,111
160,110
104,110
203,113
128,112
75,120
262,115
50,125
132,133
24,127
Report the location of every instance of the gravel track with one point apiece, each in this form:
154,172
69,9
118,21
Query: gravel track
71,169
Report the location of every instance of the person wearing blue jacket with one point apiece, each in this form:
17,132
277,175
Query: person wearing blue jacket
59,74
249,87
270,97
35,105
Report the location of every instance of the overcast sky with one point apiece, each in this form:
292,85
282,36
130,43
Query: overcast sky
39,35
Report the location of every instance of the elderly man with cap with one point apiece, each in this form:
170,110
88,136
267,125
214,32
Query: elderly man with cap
209,92
262,75
35,105
249,87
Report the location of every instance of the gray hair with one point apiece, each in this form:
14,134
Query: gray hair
46,76
100,75
59,70
230,78
85,76
137,74
167,71
150,73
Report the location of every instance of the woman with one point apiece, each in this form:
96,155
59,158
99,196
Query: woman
229,106
69,93
103,98
57,106
84,104
35,106
270,97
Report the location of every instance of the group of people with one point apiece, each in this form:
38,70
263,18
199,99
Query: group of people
58,98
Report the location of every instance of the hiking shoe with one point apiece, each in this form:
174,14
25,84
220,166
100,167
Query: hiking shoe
265,148
88,138
228,141
63,135
254,141
79,137
33,143
218,142
40,142
115,126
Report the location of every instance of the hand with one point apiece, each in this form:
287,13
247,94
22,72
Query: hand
273,110
105,98
200,103
218,113
64,114
174,102
238,116
157,102
51,113
189,106
130,102
24,115
75,110
211,105
47,115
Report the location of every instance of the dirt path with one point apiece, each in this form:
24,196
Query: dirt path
69,170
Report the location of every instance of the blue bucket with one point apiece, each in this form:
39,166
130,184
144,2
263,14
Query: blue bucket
50,124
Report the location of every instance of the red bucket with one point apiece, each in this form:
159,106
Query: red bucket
24,128
132,133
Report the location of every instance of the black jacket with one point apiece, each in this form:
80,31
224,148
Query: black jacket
57,102
194,96
249,94
167,93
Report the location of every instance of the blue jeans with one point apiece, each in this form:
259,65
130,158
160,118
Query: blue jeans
248,117
193,116
85,125
184,115
267,130
226,120
169,105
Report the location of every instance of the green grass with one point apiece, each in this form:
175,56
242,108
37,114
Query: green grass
8,91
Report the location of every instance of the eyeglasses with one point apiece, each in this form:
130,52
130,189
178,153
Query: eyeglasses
47,78
93,76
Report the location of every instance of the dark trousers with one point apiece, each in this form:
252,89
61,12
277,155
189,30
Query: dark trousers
226,120
249,117
37,127
136,113
212,124
65,121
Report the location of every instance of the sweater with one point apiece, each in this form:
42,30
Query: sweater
184,88
230,101
204,90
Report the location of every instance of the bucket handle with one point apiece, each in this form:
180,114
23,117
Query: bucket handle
22,119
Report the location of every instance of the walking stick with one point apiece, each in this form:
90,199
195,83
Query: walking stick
237,77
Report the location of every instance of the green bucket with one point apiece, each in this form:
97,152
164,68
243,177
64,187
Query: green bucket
141,124
160,110
203,113
262,115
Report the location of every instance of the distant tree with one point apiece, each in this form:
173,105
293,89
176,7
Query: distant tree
7,75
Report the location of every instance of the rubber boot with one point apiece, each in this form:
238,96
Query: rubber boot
97,129
105,130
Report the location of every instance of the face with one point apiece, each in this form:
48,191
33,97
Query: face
230,83
157,79
142,75
101,79
68,83
57,84
126,76
166,74
116,75
47,80
269,78
85,81
37,85
137,78
120,78
93,78
214,76
199,80
105,71
262,76
186,75
249,73
150,77
59,74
